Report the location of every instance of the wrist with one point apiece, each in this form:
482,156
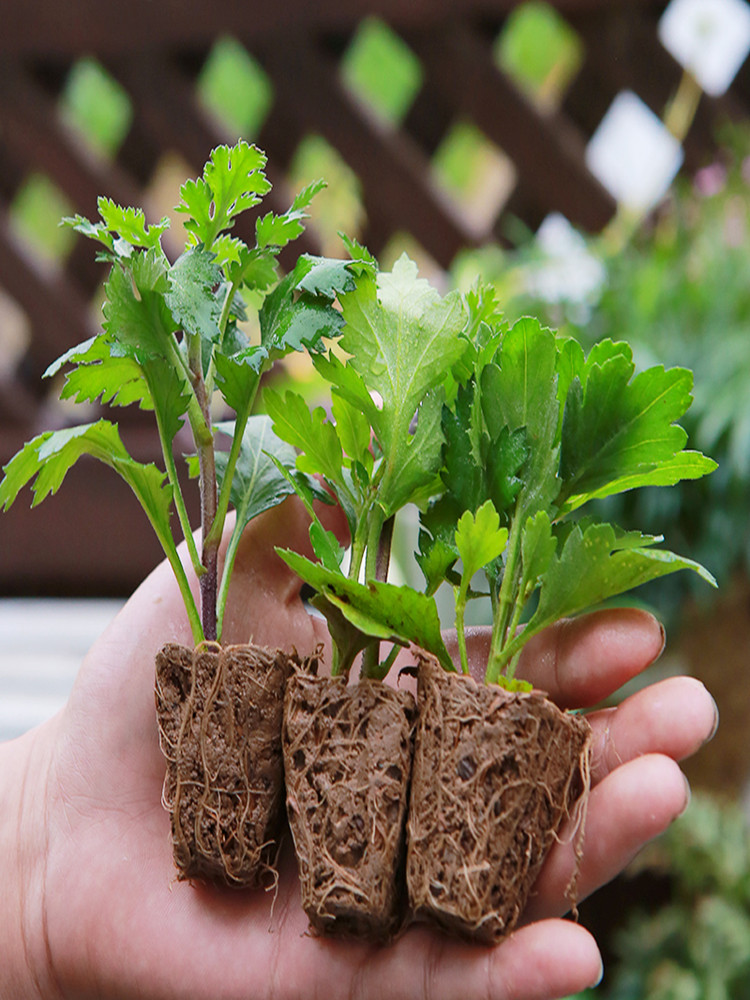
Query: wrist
23,781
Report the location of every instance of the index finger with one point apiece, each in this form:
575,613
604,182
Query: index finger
580,661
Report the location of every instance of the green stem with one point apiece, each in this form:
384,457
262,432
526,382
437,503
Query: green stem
507,601
226,575
460,629
208,494
379,538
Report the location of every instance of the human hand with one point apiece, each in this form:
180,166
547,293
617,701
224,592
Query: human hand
92,908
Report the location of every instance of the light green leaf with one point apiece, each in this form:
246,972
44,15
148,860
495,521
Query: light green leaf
137,317
233,181
310,431
130,224
479,539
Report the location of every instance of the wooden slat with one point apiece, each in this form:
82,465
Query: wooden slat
40,27
59,316
546,150
394,174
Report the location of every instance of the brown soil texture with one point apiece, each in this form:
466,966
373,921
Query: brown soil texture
219,713
347,760
494,776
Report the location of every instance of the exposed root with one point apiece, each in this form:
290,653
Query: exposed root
347,759
219,712
495,775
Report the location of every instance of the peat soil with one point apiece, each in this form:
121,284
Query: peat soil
347,761
495,775
219,712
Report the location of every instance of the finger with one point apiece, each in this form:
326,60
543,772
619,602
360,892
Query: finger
631,806
580,661
553,958
674,717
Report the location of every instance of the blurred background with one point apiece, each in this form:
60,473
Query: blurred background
589,157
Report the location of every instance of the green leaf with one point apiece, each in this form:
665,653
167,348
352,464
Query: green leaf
520,392
130,224
620,427
233,181
137,317
194,279
238,376
102,374
479,539
257,484
353,429
310,431
47,459
381,610
403,339
538,547
291,320
596,564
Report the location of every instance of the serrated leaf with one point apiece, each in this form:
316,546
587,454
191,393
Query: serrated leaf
619,426
47,459
310,431
520,392
538,547
136,314
130,224
479,539
257,483
403,339
238,376
595,565
353,429
294,321
194,280
233,181
381,610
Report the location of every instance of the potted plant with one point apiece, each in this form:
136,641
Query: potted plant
524,431
173,342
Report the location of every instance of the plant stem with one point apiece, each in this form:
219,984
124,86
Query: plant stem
507,600
380,538
460,599
208,494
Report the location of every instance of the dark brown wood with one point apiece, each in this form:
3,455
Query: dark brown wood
394,173
42,28
548,153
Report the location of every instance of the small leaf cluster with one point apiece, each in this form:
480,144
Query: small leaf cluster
501,436
173,342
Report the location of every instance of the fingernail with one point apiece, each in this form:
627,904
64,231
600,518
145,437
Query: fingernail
600,975
716,719
688,797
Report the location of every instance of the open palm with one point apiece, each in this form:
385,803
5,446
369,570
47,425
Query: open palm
103,916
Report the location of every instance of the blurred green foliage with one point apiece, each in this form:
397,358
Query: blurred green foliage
697,947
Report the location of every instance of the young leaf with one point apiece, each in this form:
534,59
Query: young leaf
594,565
479,539
233,181
137,317
102,373
382,610
402,338
520,392
193,280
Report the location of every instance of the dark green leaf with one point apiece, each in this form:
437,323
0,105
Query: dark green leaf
194,280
